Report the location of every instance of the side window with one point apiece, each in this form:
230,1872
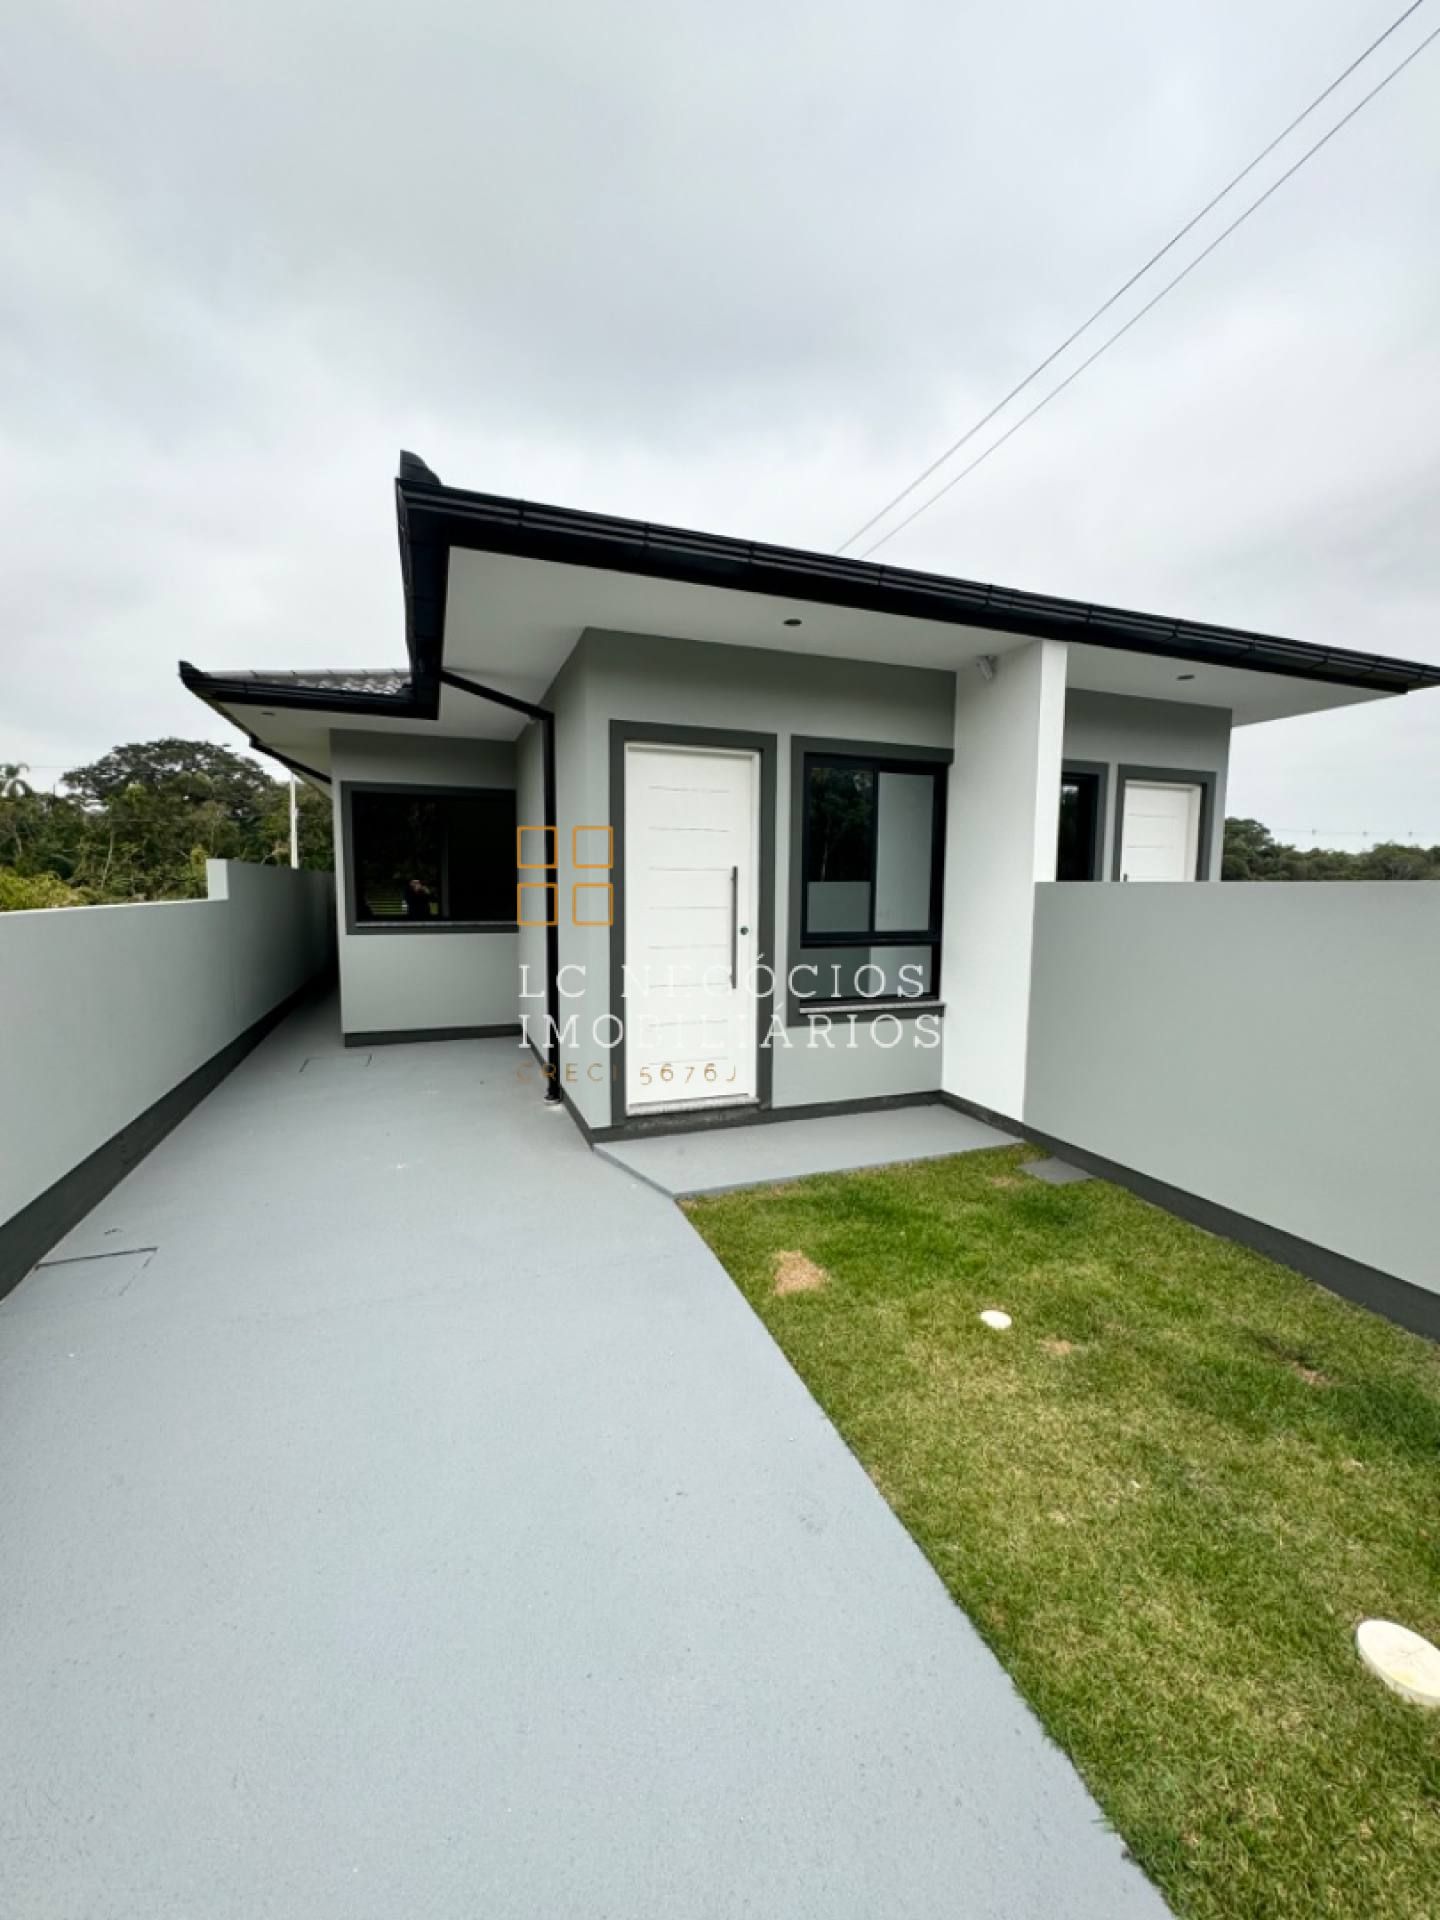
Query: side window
432,858
872,849
1077,851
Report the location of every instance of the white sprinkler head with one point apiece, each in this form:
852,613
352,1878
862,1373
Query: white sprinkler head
1408,1664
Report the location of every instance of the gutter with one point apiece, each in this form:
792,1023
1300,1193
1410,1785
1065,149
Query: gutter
435,517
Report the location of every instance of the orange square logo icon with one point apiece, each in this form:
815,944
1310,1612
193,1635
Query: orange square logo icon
595,851
547,846
580,910
548,905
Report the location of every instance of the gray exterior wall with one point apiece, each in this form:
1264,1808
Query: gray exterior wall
108,1009
616,676
1272,1048
1119,730
405,979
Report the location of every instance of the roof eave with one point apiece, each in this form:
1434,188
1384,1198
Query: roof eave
420,702
434,517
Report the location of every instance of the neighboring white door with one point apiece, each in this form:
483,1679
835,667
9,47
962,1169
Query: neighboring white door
691,881
1160,839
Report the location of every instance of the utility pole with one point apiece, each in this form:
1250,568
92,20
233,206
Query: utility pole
294,823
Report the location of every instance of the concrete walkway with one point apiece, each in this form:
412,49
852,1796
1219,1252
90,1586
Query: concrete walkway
760,1155
403,1515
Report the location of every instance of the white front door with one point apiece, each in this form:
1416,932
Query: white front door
1160,839
691,891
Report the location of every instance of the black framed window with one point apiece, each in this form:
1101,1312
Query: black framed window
1077,851
872,859
433,857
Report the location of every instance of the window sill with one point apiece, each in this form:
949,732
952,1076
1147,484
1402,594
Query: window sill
803,1010
366,927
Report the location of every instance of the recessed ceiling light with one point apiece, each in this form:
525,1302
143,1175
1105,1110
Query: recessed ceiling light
1184,676
793,622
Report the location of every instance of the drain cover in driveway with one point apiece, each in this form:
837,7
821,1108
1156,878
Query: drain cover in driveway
71,1283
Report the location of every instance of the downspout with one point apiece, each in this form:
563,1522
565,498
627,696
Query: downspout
552,928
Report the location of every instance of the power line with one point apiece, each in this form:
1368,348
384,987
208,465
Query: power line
1139,274
1349,833
1153,302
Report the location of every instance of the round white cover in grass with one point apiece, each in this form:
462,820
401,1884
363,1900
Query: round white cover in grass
993,1317
1403,1660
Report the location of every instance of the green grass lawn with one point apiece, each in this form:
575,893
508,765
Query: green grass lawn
1166,1497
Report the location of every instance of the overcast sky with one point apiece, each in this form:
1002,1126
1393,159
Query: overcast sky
745,268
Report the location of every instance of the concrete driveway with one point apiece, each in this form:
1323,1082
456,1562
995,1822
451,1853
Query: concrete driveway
403,1515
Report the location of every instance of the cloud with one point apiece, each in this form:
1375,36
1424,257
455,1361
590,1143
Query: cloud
746,269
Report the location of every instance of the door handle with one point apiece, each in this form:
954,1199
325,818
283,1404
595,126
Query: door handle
734,922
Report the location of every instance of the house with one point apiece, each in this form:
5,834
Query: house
729,831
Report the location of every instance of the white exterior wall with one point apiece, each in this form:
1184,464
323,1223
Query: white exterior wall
1000,839
403,980
582,794
108,1008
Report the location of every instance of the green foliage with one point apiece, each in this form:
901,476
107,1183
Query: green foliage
140,824
316,839
21,892
190,770
1253,853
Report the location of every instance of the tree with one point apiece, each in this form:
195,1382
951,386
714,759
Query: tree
15,790
140,823
193,771
1253,853
155,843
40,832
1249,847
